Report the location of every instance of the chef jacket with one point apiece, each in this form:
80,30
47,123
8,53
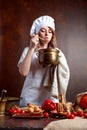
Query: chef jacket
33,91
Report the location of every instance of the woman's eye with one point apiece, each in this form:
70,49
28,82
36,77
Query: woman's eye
42,30
50,31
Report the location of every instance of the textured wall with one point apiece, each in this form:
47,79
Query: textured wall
16,17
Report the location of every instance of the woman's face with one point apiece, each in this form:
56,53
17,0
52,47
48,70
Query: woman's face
46,35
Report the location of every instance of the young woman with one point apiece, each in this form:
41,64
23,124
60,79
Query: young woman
43,36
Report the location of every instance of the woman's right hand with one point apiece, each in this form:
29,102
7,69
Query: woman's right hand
34,41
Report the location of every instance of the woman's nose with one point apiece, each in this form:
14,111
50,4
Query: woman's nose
46,33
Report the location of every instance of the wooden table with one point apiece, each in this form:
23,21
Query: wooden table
9,123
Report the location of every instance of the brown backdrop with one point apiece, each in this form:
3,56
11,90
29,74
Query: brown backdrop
16,17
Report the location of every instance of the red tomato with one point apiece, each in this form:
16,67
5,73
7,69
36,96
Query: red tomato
13,111
85,115
19,110
48,101
52,106
80,113
46,114
67,114
75,113
83,101
23,111
71,116
48,105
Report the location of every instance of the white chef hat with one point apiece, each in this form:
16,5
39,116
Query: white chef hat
41,22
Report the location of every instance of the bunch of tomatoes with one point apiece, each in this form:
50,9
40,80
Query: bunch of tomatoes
73,114
48,105
15,110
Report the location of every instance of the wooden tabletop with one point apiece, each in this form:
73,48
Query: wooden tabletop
9,123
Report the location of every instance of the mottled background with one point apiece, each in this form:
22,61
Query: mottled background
16,17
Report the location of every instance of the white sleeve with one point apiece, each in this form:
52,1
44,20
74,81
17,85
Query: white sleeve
64,74
24,53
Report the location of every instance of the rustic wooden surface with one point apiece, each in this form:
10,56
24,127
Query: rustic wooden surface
9,123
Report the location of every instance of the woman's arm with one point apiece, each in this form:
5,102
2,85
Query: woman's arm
24,66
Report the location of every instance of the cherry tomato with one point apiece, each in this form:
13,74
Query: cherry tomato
75,113
13,111
80,113
85,115
67,114
19,110
23,111
46,114
71,116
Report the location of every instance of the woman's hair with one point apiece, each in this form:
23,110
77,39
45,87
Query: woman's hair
52,43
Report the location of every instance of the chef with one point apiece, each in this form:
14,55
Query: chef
42,35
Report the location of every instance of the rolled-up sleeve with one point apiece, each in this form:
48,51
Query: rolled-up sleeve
24,53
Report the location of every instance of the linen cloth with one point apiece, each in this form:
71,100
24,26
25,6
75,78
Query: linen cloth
56,78
68,124
51,81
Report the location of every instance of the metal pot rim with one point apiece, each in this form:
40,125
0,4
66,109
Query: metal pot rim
48,50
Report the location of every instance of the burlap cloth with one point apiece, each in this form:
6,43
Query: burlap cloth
68,124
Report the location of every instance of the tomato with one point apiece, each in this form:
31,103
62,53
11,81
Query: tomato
67,114
75,113
14,110
85,115
46,114
22,111
52,106
71,116
11,111
48,101
83,101
48,105
80,113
